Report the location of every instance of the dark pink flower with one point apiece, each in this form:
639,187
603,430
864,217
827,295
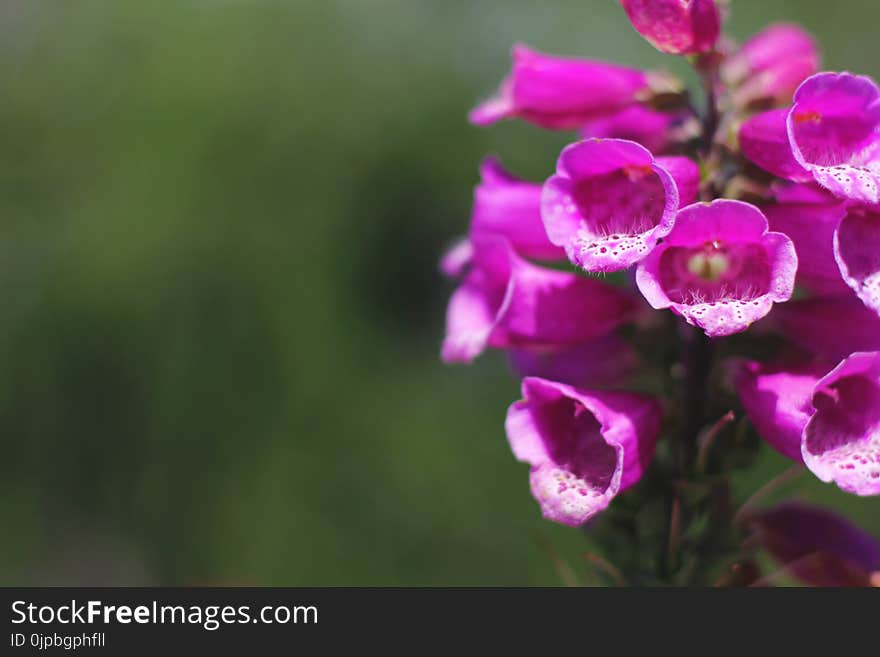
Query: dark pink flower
677,27
841,441
778,401
830,328
651,128
601,363
611,200
763,140
505,301
811,227
561,93
584,447
511,207
857,250
818,546
802,193
772,64
833,132
719,268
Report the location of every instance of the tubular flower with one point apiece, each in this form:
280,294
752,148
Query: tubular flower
841,441
857,251
833,132
505,301
676,27
830,328
653,129
764,142
817,546
778,402
600,363
771,65
611,201
719,268
811,227
561,93
584,447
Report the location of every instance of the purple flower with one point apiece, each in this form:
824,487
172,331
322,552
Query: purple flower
584,447
818,546
611,200
677,27
719,268
841,441
778,401
651,128
806,193
772,64
763,140
505,301
508,206
833,132
829,328
857,251
601,363
561,93
811,227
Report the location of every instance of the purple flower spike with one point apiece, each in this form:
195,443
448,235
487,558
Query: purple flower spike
772,64
764,142
778,402
830,328
811,227
560,93
857,250
584,447
841,442
676,27
601,363
610,201
833,131
818,546
654,130
505,301
719,268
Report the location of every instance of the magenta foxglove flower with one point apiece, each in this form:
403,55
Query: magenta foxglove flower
559,92
651,128
831,328
508,206
772,64
833,132
611,200
763,140
857,250
778,401
584,447
505,301
719,268
802,193
811,227
605,362
818,546
677,27
841,441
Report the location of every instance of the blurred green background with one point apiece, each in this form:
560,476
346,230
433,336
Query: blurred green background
221,311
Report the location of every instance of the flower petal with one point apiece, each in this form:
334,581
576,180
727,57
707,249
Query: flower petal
719,268
857,250
841,441
610,202
584,446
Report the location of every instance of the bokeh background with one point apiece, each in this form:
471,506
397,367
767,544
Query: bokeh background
221,312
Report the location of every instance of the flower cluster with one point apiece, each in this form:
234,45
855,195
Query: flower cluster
719,214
